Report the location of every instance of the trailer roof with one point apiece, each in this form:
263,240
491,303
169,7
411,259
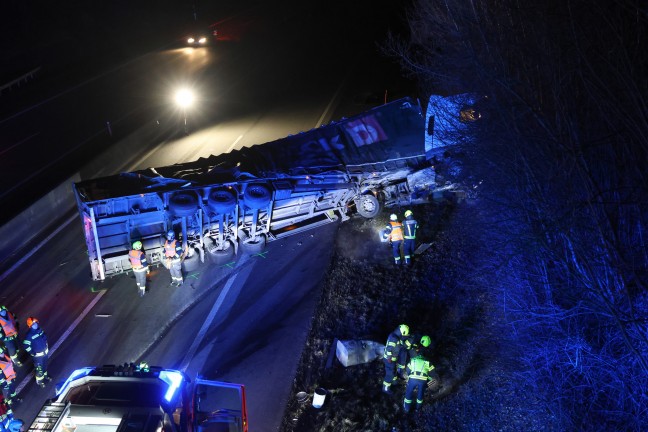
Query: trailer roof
391,131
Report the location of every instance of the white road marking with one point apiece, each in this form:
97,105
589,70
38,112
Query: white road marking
208,321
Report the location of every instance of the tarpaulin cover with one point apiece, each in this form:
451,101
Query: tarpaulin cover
388,132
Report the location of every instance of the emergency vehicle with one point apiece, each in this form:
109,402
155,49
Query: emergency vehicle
130,398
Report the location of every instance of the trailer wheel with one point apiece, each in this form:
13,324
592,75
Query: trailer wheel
222,200
191,262
252,246
368,206
219,253
183,204
257,195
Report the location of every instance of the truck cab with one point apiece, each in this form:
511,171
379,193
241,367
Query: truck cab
131,398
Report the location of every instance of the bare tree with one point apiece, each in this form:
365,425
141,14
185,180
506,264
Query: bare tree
563,158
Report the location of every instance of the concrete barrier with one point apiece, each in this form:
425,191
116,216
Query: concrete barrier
30,224
25,231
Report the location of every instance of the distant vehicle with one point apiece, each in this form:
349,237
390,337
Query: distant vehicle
135,399
197,39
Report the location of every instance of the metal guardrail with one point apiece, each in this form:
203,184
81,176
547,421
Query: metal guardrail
23,78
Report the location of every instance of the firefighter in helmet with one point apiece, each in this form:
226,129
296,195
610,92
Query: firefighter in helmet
35,343
410,225
418,377
393,232
173,256
139,265
8,423
393,347
9,334
8,378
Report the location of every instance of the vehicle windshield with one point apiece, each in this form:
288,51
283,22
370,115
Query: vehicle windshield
148,394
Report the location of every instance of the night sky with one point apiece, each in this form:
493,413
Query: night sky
43,32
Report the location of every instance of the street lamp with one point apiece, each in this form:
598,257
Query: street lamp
184,99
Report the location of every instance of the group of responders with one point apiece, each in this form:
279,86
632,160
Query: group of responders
34,343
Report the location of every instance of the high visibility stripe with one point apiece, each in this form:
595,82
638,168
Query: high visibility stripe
396,231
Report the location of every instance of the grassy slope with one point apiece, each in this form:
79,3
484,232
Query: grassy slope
448,294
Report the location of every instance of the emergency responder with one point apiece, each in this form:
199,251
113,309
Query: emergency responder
409,233
140,266
394,233
11,424
407,343
35,343
418,376
8,423
390,357
174,254
7,379
420,345
142,367
9,333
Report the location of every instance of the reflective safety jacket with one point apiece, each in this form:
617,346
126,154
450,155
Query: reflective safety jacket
173,249
394,231
35,342
419,368
8,325
137,259
409,227
393,346
7,367
11,424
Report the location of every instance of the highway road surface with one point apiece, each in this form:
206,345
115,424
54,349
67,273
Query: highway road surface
245,321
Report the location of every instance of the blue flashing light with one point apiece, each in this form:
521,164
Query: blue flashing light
173,379
79,373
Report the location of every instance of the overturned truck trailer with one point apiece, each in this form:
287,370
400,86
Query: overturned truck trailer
236,202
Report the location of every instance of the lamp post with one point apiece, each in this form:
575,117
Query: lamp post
184,99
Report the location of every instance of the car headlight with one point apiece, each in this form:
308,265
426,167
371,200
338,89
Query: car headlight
202,40
191,40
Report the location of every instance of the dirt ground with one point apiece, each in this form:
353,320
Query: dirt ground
444,294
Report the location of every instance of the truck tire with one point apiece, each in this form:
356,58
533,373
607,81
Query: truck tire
257,195
221,200
252,246
191,262
183,204
368,206
219,254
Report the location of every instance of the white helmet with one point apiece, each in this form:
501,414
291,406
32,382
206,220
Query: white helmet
393,217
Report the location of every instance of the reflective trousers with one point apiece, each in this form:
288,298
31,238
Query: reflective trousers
417,385
408,250
175,267
396,247
40,367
